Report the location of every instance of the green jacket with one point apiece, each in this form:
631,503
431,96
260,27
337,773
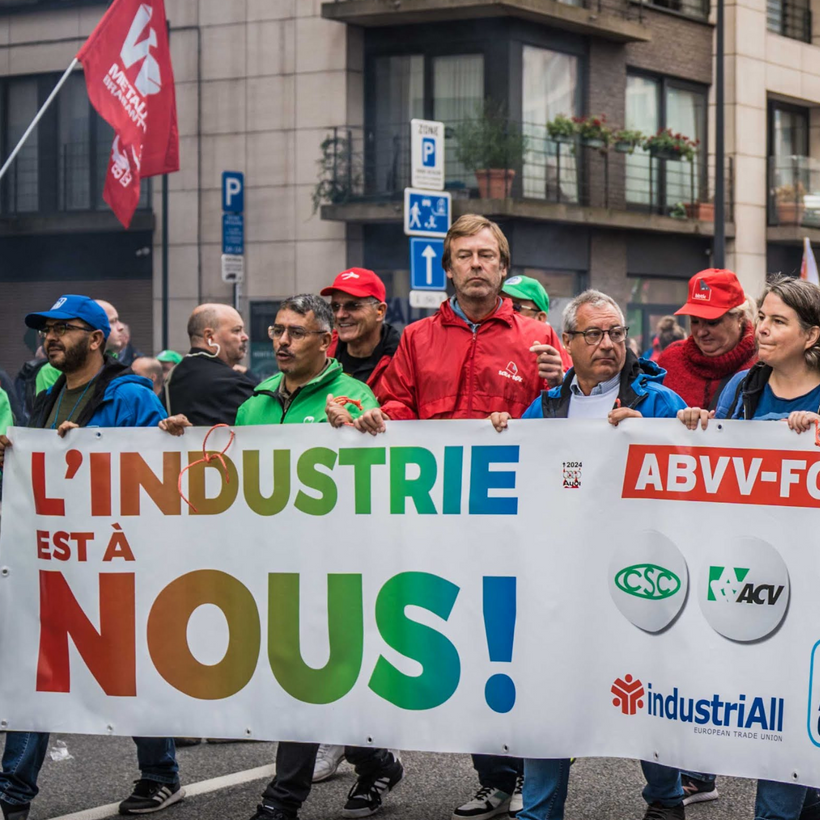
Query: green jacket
6,416
47,375
265,406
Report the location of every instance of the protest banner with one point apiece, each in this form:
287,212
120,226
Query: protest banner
564,588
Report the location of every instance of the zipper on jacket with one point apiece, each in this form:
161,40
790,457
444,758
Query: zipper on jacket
470,391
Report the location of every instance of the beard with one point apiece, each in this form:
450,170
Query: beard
75,356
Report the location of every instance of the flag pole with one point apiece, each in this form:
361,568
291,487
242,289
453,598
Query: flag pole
37,119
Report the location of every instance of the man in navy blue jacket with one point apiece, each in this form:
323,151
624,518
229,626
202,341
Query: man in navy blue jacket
94,390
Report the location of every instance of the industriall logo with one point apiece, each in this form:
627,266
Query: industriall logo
743,716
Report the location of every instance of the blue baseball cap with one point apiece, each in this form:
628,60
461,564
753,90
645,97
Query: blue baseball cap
70,307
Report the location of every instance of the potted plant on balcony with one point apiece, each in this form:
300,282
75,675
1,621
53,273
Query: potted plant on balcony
666,144
625,141
562,129
790,204
593,131
339,176
702,211
493,147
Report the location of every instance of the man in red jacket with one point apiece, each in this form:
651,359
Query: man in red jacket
476,355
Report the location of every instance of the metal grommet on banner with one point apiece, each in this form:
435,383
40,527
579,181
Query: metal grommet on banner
720,426
248,732
110,729
369,740
656,756
98,434
5,572
4,724
505,748
795,776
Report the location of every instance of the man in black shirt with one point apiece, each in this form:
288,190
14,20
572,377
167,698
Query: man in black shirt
204,386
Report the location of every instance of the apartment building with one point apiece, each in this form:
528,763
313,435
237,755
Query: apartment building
312,101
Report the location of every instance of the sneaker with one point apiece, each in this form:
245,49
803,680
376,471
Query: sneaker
14,811
656,811
266,812
180,742
365,798
150,795
328,759
488,802
517,799
696,790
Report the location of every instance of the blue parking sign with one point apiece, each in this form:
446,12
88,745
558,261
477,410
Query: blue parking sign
233,192
426,213
428,152
426,272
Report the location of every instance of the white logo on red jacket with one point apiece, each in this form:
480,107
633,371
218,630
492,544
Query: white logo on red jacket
511,372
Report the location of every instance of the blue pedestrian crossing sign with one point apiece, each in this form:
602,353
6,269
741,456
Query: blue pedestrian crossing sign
426,272
426,213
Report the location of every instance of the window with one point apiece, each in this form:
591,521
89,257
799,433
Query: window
698,9
62,166
790,18
794,177
653,103
650,300
551,87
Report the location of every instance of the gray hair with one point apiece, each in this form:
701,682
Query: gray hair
593,298
304,303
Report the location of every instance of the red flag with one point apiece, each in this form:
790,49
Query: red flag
127,62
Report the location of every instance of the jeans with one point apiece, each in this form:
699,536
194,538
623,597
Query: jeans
25,751
783,801
545,789
294,772
663,784
497,771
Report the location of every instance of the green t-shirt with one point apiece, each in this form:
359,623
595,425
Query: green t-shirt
6,417
46,376
70,404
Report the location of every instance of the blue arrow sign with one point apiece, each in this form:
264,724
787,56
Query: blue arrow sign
233,234
426,272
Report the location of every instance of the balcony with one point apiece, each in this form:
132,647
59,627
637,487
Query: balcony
365,171
794,199
617,20
789,18
14,6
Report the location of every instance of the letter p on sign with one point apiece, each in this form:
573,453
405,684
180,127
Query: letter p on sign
233,192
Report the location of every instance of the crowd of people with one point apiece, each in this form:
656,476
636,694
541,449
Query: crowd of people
489,352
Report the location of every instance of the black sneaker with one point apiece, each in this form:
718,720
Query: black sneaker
150,795
365,797
14,811
696,790
656,811
266,812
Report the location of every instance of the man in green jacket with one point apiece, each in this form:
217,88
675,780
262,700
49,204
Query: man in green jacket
303,392
299,393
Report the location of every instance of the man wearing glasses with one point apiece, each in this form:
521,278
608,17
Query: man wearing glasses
607,381
528,297
93,390
363,343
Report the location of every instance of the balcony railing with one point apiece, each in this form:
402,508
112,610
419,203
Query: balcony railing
790,18
794,191
372,164
697,9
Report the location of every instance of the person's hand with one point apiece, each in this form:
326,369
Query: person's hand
175,425
65,427
618,414
4,442
337,414
802,420
499,420
371,421
691,417
550,366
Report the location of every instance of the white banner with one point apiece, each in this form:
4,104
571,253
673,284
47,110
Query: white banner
565,588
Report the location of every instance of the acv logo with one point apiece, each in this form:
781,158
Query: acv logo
744,589
648,581
628,694
726,584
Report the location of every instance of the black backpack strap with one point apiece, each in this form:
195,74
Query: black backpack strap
723,382
735,400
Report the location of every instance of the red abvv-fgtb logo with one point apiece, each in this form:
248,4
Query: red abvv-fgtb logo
628,693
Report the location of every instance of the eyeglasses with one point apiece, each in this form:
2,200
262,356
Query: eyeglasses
59,329
350,307
295,332
593,335
518,307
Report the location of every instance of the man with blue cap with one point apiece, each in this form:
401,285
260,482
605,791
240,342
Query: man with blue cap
93,390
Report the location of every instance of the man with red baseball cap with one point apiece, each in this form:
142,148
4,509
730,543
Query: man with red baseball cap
721,318
363,342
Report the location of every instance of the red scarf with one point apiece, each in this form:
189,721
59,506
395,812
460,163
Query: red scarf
696,377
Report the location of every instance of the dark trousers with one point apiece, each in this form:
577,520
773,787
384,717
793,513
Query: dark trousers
294,772
497,771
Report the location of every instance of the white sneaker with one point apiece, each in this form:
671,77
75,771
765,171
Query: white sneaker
488,802
328,759
517,799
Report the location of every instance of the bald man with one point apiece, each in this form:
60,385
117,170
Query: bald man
151,369
118,344
204,386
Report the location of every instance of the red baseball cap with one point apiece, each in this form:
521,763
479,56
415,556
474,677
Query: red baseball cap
358,282
712,293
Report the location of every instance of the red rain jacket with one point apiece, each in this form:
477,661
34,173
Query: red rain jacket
444,371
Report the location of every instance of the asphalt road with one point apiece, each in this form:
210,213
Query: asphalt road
101,770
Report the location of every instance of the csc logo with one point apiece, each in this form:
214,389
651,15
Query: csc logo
648,581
